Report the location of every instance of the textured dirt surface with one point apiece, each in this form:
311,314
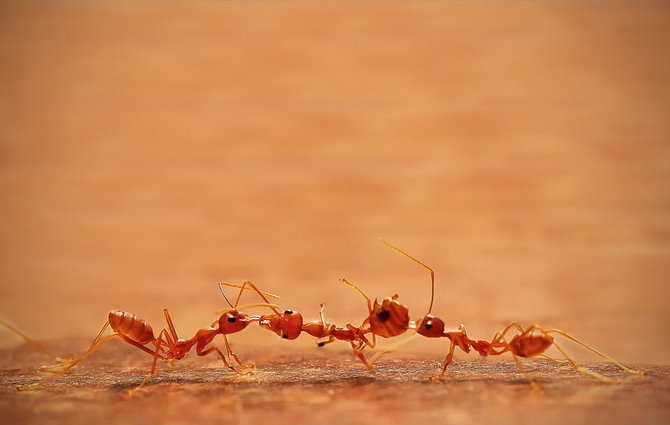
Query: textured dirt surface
149,150
329,388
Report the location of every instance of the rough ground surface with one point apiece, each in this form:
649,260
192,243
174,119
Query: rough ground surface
322,387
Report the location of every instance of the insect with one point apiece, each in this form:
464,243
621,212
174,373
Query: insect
289,325
390,318
167,346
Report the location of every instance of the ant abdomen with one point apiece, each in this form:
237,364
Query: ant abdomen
531,343
131,326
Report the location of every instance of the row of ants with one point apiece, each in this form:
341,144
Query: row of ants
388,318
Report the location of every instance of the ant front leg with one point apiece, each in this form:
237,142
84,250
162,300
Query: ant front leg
231,354
201,351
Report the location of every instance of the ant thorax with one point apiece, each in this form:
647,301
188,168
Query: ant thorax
390,318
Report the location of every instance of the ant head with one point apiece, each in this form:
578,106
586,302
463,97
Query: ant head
390,318
233,321
287,325
431,326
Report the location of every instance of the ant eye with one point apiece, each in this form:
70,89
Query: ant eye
231,319
288,312
428,325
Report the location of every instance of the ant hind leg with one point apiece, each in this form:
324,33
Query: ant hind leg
64,366
593,350
584,370
522,369
29,340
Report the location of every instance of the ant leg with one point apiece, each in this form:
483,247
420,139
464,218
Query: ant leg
394,347
585,370
168,319
164,338
499,340
146,378
593,350
64,366
65,362
67,365
500,336
234,356
362,334
330,339
29,340
447,361
553,359
200,351
358,351
367,342
519,366
160,343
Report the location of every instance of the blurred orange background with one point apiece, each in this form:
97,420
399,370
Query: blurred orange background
152,149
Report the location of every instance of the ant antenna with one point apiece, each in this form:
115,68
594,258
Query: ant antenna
432,273
360,291
249,286
223,292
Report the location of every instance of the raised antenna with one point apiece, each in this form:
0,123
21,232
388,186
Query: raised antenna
223,292
432,273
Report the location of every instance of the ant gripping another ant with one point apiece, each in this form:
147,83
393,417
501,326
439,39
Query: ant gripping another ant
167,346
289,325
391,318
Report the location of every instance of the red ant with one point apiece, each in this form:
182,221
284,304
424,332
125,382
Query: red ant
390,318
289,325
167,346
